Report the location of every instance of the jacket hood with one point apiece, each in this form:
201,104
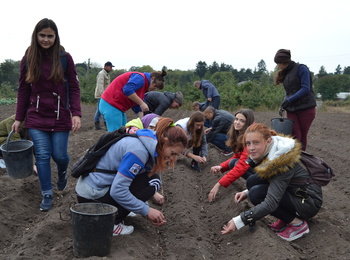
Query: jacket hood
135,122
149,140
284,154
169,95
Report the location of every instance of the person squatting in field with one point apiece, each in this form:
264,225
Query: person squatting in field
194,128
148,121
220,123
128,91
136,162
276,162
236,165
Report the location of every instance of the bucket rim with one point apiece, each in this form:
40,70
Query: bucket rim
282,119
114,209
7,150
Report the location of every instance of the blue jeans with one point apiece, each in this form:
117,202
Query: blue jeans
215,102
219,141
98,114
114,117
49,144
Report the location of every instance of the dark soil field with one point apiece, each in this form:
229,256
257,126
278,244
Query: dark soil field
193,224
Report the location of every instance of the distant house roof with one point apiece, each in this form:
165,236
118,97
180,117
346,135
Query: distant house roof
343,95
340,95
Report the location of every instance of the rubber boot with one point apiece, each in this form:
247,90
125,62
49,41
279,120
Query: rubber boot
97,126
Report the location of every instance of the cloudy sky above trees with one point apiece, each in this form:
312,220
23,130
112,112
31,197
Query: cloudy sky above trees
178,34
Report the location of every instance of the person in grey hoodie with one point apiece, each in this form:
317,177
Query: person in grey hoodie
135,162
159,102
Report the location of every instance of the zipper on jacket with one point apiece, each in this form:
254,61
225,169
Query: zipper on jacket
37,103
58,105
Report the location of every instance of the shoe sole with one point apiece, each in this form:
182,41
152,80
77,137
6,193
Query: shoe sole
44,210
227,154
296,236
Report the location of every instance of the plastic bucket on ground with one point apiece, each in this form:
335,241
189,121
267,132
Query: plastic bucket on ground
282,125
18,157
92,228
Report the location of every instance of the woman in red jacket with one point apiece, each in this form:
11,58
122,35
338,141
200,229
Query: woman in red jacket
237,165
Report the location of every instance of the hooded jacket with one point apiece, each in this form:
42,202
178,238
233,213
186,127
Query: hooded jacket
220,124
42,104
159,102
128,157
280,167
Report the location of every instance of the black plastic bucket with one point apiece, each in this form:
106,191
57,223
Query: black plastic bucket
18,157
92,228
282,125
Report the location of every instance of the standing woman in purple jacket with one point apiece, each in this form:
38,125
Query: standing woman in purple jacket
48,100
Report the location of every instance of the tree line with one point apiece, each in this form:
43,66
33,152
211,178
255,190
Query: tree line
249,88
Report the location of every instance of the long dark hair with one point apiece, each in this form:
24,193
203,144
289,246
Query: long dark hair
196,134
235,140
33,54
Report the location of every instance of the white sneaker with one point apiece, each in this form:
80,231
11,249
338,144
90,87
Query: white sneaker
131,214
122,229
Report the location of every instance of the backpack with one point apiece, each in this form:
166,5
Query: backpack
320,173
87,163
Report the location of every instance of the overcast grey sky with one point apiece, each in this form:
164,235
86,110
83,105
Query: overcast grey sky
178,34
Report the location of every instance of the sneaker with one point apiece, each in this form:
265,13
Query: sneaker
226,153
122,229
46,203
131,214
278,226
292,232
195,167
62,180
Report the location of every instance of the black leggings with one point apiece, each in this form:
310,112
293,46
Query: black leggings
257,192
139,187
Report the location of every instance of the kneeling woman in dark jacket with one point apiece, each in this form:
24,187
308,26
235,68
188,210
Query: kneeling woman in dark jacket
135,162
272,190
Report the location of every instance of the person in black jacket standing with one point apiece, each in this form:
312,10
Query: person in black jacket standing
300,100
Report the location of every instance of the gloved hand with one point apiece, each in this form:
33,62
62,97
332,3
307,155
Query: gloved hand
280,112
284,104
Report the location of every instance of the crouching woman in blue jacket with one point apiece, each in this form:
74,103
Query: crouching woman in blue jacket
275,188
135,162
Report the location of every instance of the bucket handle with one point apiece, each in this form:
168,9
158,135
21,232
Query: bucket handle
8,140
69,219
